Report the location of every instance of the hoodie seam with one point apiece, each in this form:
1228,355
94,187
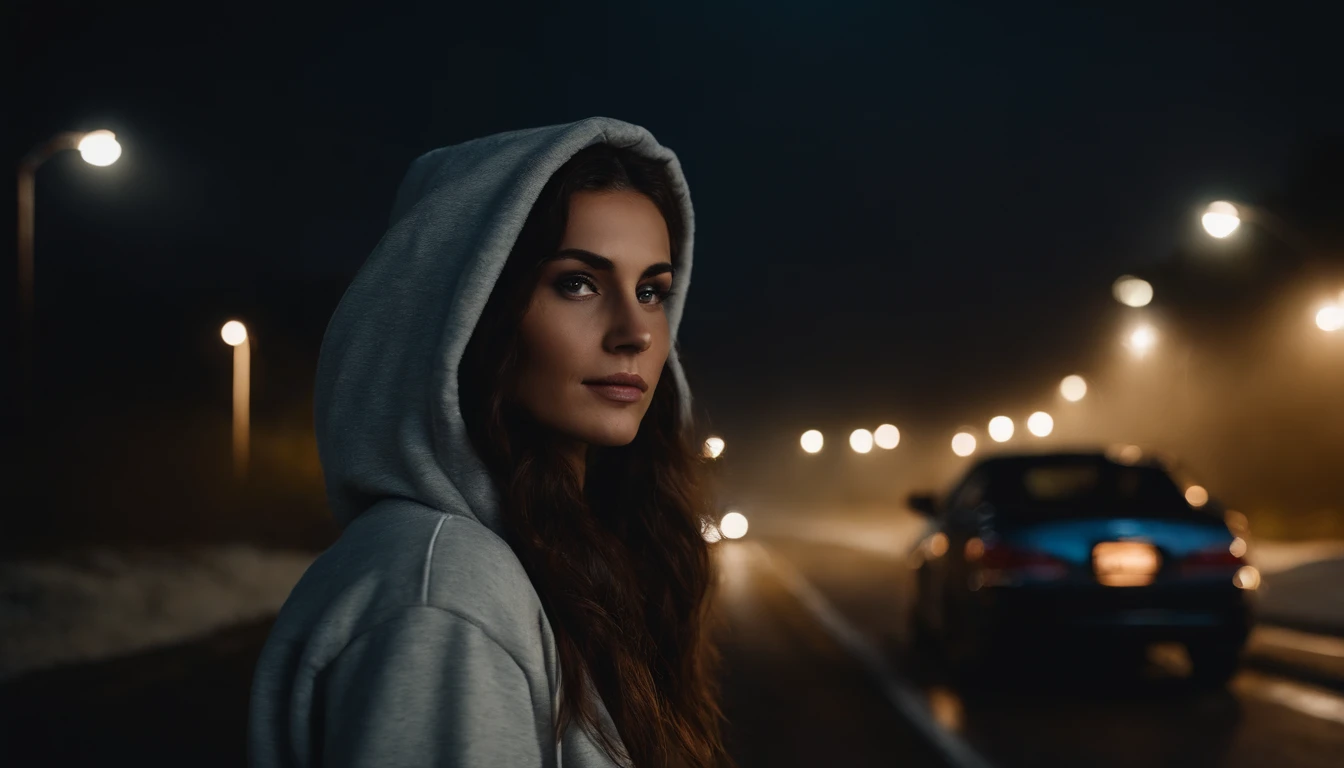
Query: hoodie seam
429,561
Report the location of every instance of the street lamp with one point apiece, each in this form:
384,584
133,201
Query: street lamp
812,441
1330,318
713,447
1073,388
97,148
1041,424
963,444
235,335
1001,429
861,440
1221,219
1132,291
1141,340
887,436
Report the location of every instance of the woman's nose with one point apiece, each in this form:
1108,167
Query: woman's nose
631,329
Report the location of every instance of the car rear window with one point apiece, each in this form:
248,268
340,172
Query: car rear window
1087,489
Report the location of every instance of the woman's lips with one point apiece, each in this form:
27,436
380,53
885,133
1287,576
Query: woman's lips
617,392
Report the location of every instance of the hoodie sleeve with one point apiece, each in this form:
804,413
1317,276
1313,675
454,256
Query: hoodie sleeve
429,688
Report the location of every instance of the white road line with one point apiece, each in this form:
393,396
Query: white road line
1321,645
900,694
1302,698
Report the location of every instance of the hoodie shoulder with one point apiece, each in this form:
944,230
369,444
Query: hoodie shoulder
402,555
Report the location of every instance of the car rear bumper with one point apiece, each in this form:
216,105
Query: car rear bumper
1134,614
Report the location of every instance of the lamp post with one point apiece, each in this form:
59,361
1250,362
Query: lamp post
235,335
97,148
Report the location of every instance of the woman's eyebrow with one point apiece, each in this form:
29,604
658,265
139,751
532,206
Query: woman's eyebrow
606,265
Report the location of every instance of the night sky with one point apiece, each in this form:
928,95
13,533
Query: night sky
901,206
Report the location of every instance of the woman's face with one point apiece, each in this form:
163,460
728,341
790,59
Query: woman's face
597,310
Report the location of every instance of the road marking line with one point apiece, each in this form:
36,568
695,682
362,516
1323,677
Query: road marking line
1322,645
1304,699
901,695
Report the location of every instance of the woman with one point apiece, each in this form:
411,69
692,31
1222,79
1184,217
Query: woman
506,435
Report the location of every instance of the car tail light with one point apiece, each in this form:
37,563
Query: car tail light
1213,558
1000,558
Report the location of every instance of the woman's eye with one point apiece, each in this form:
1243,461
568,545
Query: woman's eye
572,284
654,294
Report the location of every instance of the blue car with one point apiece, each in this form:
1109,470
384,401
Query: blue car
1078,551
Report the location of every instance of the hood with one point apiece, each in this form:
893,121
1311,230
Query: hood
386,397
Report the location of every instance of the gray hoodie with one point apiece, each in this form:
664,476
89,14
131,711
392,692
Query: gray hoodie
417,639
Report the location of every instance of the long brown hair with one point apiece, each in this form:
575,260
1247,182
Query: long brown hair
620,563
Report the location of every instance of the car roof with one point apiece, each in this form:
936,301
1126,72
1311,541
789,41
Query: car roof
1022,459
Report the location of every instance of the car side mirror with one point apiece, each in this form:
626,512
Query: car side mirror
923,503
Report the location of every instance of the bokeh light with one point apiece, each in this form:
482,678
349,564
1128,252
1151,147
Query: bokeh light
1247,577
733,525
1221,219
1132,291
233,333
1142,339
963,444
861,440
1001,429
887,436
1040,424
812,441
1238,547
713,447
975,549
936,545
1073,388
1330,318
1129,454
1196,495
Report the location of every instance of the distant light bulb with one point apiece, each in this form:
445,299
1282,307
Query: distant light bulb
1001,429
861,440
1073,388
1221,219
233,333
99,148
963,444
1132,291
1142,339
812,441
713,447
887,436
733,525
1331,318
1041,424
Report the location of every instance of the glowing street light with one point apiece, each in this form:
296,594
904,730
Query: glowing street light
235,335
1040,424
1132,291
1196,496
1001,429
963,444
713,446
1142,339
861,440
1221,219
1330,318
733,525
887,436
97,148
1073,388
812,441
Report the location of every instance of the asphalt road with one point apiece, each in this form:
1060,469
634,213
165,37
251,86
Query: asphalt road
816,672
